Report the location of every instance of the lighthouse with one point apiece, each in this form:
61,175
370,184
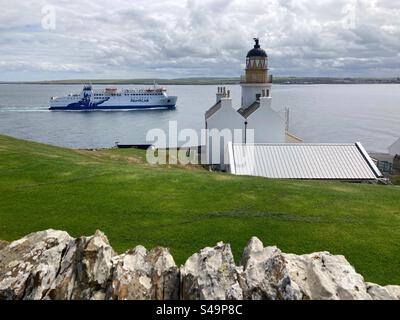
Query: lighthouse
253,121
256,82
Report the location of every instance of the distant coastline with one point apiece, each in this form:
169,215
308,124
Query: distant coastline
214,81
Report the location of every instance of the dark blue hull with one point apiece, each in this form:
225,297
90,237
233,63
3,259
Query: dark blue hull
100,108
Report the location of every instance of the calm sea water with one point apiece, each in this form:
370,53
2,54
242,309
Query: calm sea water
318,113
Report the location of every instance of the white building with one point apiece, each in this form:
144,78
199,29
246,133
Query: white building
255,121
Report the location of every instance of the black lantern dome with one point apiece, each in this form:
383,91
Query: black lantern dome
257,51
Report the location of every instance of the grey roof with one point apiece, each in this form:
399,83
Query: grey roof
246,112
303,161
213,109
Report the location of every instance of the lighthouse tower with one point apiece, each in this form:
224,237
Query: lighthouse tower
256,82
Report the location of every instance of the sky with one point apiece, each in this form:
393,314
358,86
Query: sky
98,39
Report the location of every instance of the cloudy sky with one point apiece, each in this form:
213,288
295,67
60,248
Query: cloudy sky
72,39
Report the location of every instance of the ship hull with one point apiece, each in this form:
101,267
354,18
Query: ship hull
111,108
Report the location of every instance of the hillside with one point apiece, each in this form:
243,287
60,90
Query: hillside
189,208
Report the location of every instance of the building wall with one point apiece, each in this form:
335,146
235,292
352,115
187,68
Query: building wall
396,165
224,121
268,125
385,166
250,92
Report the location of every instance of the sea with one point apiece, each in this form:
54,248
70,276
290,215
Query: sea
366,113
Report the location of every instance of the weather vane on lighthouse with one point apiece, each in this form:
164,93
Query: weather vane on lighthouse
257,45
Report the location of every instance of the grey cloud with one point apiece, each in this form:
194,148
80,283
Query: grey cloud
173,38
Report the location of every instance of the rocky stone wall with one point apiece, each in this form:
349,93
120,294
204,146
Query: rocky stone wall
51,265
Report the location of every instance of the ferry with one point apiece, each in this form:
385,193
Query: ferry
114,99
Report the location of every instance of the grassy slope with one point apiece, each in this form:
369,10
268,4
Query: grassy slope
189,208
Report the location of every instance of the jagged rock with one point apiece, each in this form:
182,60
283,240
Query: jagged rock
144,275
323,276
265,275
52,265
85,270
3,244
29,266
270,274
253,246
394,291
378,292
211,274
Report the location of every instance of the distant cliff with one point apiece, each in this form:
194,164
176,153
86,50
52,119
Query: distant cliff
51,265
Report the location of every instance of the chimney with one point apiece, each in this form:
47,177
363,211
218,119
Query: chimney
219,94
265,101
226,100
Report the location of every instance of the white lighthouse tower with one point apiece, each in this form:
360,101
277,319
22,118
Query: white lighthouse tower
256,82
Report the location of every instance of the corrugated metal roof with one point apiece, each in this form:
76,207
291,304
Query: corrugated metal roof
303,161
213,109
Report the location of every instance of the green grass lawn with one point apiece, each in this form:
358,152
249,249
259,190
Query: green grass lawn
187,209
